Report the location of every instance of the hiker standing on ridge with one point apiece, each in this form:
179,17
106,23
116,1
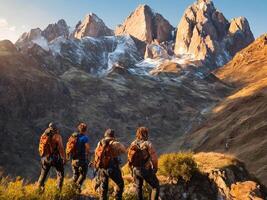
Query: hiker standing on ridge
52,155
143,161
78,150
107,163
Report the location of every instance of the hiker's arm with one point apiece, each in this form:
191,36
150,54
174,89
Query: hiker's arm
122,149
154,156
87,150
61,148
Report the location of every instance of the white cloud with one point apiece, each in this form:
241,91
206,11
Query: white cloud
3,23
12,28
7,31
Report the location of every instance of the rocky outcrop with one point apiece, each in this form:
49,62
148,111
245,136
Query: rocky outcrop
92,26
240,33
52,31
207,35
156,50
145,25
218,184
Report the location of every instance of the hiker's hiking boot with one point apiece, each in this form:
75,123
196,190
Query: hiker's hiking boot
76,187
41,189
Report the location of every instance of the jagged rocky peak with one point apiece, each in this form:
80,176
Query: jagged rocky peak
240,31
92,26
58,29
205,33
31,35
27,38
146,25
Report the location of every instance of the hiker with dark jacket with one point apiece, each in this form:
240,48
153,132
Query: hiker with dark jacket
78,150
107,163
52,155
143,161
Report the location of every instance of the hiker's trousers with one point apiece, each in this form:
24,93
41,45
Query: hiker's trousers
115,175
46,166
79,170
140,175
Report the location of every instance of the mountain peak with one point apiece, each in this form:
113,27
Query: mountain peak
204,31
142,7
145,25
52,31
92,26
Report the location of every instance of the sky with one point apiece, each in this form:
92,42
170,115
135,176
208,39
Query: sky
18,16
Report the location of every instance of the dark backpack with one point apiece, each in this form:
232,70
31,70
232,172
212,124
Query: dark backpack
138,155
103,155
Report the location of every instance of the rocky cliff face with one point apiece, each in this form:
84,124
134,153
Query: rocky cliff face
56,30
92,26
206,34
146,26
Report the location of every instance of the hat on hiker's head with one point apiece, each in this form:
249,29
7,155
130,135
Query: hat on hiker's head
52,125
82,127
109,133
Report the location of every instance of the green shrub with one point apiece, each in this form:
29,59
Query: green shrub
177,166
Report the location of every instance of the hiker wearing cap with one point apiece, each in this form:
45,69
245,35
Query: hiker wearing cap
52,155
143,161
78,149
107,163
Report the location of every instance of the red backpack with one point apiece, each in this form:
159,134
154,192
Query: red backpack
103,155
71,148
45,144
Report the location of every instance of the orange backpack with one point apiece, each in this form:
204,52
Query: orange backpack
45,146
137,156
103,155
71,148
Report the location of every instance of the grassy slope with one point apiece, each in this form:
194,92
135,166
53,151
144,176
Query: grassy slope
240,120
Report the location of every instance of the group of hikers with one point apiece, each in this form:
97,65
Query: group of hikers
141,156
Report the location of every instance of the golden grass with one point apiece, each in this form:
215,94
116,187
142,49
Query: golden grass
19,190
211,160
